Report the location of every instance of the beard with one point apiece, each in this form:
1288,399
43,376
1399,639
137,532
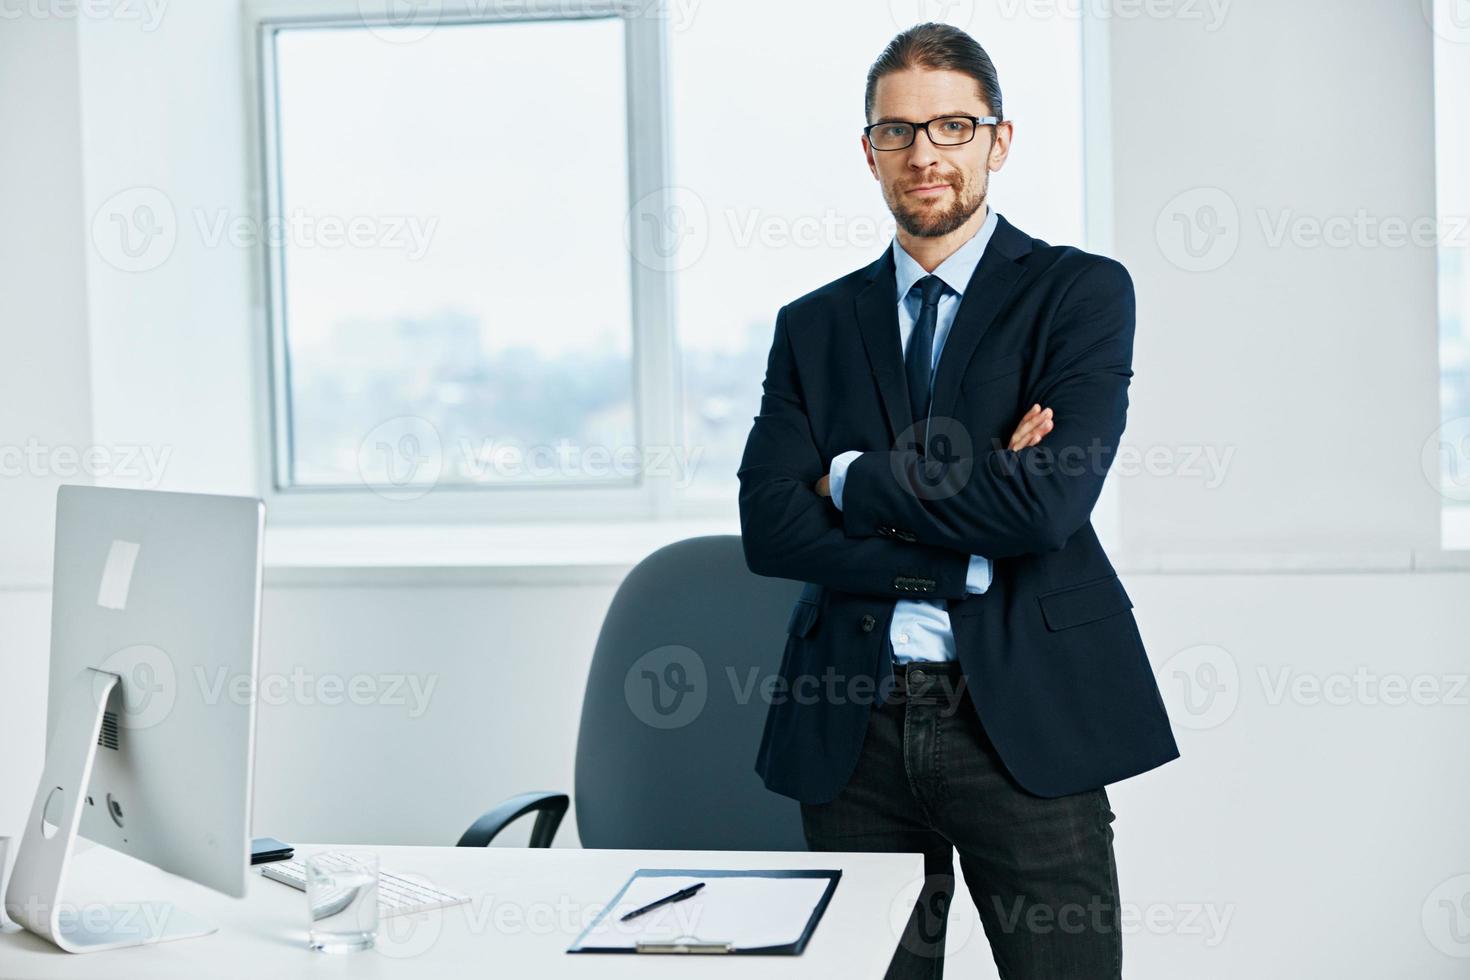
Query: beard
929,222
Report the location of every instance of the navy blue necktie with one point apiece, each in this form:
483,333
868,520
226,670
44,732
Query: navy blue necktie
918,360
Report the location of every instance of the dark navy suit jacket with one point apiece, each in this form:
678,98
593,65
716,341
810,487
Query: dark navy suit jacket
1051,653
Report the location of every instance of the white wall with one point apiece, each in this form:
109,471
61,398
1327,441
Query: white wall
45,401
487,706
1315,366
45,423
1324,834
164,127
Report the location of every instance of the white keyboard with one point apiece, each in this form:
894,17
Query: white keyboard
396,895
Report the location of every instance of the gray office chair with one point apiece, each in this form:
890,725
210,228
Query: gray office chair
673,712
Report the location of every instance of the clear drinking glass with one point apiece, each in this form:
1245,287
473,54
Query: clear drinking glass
342,896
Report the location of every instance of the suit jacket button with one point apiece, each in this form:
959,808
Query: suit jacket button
868,622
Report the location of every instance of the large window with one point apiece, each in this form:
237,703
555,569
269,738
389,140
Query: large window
453,281
534,265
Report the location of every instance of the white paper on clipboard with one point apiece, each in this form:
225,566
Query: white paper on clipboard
748,912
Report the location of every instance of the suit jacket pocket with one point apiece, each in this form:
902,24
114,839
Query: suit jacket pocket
803,616
1085,603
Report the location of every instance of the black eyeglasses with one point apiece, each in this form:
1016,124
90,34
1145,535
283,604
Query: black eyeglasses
950,131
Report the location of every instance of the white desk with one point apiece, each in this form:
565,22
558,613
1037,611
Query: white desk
527,906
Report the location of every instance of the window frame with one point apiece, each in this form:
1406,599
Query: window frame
1453,538
657,382
654,353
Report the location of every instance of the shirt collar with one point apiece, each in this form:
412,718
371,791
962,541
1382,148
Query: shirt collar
956,270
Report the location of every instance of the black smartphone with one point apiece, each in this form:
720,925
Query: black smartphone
264,850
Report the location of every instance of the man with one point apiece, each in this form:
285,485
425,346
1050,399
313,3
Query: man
979,676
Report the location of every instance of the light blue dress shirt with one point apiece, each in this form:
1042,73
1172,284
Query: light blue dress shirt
921,628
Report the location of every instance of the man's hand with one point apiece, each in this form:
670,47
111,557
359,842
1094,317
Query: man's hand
1034,425
1032,428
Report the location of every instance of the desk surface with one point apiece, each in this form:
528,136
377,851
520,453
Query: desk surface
527,906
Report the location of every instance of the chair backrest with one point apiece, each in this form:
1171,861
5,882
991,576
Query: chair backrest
675,704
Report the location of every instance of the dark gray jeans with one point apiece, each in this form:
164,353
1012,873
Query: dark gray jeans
1040,871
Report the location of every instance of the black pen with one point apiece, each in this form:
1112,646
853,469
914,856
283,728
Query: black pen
678,896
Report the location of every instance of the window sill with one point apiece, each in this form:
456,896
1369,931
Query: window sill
564,553
1390,561
594,553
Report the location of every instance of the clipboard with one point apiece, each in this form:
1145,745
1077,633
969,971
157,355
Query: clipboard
672,937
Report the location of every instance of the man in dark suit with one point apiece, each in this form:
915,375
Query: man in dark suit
963,671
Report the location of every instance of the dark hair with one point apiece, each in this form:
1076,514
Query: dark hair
938,47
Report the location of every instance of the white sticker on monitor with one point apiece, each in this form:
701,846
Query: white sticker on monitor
117,575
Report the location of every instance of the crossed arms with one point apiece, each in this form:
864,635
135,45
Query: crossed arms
1022,498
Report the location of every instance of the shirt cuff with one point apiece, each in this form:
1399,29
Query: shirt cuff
838,476
977,578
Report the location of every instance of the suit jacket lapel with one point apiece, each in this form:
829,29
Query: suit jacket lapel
876,306
877,315
991,285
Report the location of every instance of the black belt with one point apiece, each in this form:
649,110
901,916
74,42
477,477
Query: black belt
924,671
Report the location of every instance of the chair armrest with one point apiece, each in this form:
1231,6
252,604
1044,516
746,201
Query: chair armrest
549,809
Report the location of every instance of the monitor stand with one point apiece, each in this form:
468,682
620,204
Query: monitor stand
34,899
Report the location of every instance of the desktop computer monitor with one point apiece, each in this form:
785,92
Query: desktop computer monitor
155,611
